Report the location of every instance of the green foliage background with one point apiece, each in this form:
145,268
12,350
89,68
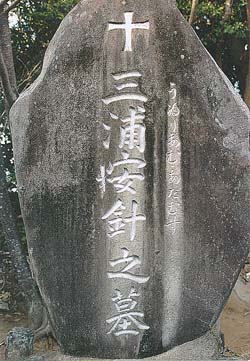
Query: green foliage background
227,41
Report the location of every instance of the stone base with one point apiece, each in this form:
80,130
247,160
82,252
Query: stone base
205,348
60,357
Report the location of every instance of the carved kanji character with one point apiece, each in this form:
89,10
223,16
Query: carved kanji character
124,182
126,322
121,96
133,133
131,262
116,224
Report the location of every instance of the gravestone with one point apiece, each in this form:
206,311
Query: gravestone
132,160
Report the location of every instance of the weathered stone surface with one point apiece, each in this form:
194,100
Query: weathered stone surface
4,307
205,348
192,195
162,357
19,344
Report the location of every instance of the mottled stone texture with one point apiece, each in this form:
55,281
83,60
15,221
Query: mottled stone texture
58,147
19,344
204,348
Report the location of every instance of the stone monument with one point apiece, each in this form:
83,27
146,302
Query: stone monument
132,161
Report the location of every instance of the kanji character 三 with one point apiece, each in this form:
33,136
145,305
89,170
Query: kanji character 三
125,95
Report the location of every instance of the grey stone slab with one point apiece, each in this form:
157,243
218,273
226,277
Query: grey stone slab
73,139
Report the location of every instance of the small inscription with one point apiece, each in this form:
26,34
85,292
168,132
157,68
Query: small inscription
173,164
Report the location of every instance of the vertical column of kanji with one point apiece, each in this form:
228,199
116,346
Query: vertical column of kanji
121,180
173,223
